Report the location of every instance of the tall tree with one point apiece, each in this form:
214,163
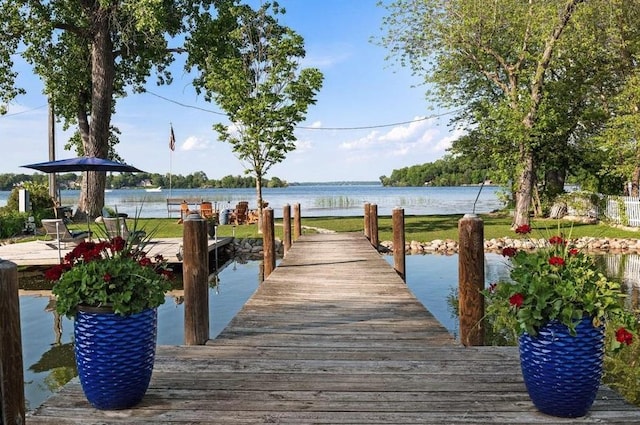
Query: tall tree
252,71
89,53
495,60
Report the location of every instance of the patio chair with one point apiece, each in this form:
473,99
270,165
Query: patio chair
206,209
117,226
58,231
240,214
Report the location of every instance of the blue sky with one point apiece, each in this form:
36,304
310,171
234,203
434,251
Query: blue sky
361,89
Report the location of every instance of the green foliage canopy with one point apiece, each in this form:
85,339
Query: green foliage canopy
251,69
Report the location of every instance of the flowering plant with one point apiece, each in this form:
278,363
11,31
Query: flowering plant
114,273
558,282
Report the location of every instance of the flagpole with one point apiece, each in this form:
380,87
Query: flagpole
172,146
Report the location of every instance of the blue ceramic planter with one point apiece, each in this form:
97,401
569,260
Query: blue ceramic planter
562,372
115,355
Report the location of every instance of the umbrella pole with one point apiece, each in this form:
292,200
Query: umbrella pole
86,205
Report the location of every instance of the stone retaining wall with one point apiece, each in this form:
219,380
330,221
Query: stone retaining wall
450,246
251,249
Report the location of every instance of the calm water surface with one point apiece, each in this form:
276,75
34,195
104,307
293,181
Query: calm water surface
315,200
433,279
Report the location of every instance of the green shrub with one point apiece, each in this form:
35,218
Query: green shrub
41,202
11,223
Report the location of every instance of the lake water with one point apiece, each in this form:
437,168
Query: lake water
315,200
47,340
47,346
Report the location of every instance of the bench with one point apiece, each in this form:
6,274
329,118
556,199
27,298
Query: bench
174,204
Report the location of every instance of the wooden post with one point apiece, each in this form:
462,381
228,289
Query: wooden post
471,279
286,225
195,275
297,222
367,223
373,223
268,242
12,401
399,242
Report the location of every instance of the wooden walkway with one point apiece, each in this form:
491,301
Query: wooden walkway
333,336
45,253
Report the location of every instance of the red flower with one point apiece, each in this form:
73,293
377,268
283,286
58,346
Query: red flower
509,251
118,244
144,261
556,261
516,299
107,277
523,229
55,272
623,336
574,251
556,240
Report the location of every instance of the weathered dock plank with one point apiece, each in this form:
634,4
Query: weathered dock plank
38,253
333,336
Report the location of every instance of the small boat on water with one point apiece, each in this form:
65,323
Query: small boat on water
154,189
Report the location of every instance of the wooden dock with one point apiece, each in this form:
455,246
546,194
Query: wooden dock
45,253
333,336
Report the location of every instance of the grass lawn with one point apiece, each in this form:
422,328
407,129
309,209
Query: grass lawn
421,228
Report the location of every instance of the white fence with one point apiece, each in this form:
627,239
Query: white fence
626,268
623,210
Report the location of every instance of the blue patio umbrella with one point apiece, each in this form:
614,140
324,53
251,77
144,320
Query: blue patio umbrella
83,163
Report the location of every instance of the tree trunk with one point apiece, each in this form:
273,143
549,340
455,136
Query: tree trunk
102,75
259,199
554,182
524,191
527,177
635,181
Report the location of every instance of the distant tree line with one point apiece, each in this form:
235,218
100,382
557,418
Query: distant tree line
197,180
448,171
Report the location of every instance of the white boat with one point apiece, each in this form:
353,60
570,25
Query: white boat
154,189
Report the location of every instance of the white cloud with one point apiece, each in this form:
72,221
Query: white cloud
193,143
445,142
303,146
416,134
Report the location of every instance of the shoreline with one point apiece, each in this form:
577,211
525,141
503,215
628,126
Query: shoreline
496,245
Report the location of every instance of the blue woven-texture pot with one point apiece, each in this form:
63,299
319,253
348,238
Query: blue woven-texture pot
115,355
562,372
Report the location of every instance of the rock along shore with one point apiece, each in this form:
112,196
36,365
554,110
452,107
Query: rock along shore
252,248
496,245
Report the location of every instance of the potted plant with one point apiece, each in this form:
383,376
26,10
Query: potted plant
112,289
559,302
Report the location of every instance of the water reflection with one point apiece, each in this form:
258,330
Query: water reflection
48,348
626,269
47,338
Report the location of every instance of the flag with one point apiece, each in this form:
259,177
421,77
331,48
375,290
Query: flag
172,140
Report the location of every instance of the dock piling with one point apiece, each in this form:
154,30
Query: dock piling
286,226
373,225
268,242
471,279
399,242
297,222
195,275
12,401
367,221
